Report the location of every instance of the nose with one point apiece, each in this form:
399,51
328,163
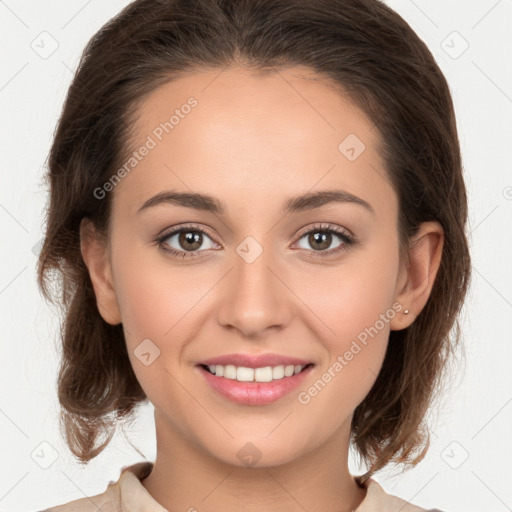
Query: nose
255,298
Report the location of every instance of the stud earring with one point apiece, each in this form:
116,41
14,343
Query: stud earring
406,311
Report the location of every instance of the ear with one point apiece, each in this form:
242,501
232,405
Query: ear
417,276
96,257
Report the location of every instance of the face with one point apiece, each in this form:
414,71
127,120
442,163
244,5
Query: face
265,273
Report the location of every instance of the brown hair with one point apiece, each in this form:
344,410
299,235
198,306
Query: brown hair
361,46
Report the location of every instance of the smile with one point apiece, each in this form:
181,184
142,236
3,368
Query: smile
254,386
264,374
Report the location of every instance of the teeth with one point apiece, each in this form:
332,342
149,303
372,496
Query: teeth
265,374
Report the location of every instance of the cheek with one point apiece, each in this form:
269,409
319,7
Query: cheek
148,301
159,302
153,294
154,312
353,297
355,311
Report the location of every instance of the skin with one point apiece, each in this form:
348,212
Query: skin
254,142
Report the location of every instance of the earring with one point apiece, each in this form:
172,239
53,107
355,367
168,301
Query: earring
406,311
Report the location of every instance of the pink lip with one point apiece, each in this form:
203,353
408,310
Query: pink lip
254,393
252,361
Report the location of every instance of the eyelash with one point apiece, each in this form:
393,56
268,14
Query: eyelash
348,240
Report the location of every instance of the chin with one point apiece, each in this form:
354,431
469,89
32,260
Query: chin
256,453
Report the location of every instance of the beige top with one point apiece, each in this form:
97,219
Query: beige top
129,495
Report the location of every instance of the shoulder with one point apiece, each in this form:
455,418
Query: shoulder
111,500
377,499
106,502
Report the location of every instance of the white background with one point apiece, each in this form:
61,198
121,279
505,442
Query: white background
474,420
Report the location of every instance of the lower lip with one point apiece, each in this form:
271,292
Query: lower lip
254,393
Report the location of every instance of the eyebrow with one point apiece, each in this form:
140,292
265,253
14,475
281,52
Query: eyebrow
204,202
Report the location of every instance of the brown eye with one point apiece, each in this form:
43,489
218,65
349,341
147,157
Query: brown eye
319,239
185,242
190,240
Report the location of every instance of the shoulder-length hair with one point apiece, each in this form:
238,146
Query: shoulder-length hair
374,57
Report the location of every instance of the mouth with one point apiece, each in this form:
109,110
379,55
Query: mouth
261,385
261,374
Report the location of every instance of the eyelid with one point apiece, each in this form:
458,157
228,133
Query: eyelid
182,227
325,226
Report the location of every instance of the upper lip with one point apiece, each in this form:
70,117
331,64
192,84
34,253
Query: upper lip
255,361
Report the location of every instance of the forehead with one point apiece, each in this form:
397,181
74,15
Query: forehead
255,136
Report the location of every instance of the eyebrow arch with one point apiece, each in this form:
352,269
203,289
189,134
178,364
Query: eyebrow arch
313,200
204,202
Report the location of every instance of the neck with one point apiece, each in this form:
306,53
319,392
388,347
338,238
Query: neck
187,478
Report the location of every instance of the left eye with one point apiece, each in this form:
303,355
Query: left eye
321,236
321,239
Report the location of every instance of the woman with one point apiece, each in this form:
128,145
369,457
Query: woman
258,214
